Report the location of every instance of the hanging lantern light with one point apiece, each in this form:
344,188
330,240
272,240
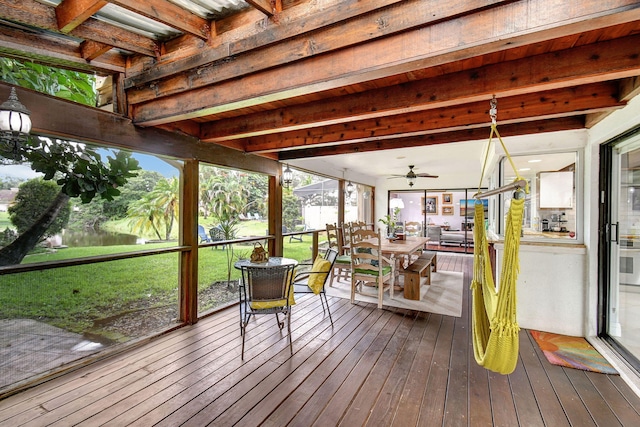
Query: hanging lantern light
15,126
287,177
350,188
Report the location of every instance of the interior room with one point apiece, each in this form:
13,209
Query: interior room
261,124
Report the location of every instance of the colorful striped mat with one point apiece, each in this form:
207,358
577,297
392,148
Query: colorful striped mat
572,352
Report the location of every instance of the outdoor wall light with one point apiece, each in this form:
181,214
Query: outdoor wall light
15,125
287,177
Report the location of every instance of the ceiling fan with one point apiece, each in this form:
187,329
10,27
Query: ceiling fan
411,176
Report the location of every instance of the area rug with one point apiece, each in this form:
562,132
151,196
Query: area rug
443,296
572,352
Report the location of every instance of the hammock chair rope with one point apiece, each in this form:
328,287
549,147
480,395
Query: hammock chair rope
494,323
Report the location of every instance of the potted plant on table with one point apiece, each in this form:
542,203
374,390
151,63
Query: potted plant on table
390,221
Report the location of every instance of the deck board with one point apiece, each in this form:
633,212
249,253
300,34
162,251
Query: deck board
375,367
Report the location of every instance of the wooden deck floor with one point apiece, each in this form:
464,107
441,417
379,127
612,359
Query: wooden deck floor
375,367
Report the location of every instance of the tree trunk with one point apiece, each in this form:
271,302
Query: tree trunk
168,227
19,248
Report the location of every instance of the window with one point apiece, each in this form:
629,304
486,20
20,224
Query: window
551,211
76,309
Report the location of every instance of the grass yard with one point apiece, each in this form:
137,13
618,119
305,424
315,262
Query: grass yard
4,221
78,298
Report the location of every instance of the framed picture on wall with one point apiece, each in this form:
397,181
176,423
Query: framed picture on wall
467,208
447,210
430,205
447,199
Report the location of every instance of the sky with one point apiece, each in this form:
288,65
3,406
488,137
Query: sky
17,171
153,163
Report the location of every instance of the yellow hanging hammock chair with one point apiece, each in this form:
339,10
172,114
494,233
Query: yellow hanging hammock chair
494,324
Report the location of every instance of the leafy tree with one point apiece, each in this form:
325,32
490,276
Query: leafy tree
7,236
166,195
87,216
144,216
71,85
207,180
228,194
33,199
290,210
258,196
98,211
80,172
134,189
78,169
9,182
158,208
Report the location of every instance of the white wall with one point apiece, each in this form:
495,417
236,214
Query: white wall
551,287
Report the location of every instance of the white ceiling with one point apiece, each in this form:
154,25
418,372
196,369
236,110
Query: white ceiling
368,167
458,165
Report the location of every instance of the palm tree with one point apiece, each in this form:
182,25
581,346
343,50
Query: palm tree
229,192
166,197
207,179
143,216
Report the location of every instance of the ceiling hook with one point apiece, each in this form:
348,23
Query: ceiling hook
493,111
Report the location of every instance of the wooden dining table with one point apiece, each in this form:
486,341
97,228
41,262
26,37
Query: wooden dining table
408,246
397,249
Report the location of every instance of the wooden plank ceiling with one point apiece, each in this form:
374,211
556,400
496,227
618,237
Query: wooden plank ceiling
290,79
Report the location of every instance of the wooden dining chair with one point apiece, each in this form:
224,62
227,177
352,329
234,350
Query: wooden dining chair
368,264
266,290
342,265
413,228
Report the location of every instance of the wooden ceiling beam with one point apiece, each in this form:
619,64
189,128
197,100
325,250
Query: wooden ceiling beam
310,35
601,61
90,50
169,14
102,32
629,88
25,45
59,118
264,6
535,106
39,15
71,13
404,52
515,129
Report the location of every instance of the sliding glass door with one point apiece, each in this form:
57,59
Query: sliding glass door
620,296
445,216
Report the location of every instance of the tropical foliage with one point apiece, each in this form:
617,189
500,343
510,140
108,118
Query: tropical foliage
78,169
33,198
157,209
71,85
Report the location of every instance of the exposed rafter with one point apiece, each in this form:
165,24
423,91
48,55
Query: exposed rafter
615,59
553,125
216,89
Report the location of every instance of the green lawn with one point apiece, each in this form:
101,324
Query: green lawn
75,298
4,221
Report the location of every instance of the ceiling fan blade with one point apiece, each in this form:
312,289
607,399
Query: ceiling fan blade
412,175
